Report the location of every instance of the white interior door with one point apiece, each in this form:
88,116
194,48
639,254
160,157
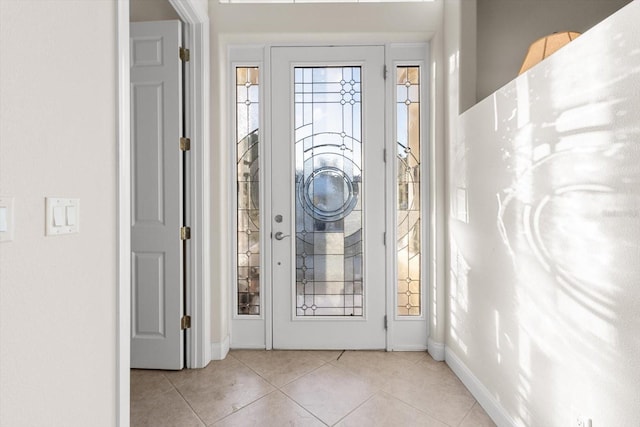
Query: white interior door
157,340
328,181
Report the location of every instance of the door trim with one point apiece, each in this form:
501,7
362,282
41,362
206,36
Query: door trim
196,21
424,52
123,291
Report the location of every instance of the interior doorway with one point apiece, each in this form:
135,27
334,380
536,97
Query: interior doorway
197,298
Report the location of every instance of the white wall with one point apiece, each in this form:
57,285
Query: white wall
545,236
293,23
506,28
57,138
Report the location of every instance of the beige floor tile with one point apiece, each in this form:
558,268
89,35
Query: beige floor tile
279,367
433,388
383,410
329,392
378,367
477,417
166,409
326,355
220,389
148,384
409,388
273,410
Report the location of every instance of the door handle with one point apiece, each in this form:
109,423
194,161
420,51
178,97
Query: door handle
280,235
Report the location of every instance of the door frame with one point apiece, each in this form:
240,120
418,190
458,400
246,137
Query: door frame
247,52
196,22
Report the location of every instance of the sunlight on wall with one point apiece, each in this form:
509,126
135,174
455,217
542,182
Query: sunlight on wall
550,167
458,294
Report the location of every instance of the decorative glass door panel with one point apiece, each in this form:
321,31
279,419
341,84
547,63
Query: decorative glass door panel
327,257
328,201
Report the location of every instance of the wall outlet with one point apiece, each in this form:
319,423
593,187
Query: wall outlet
583,422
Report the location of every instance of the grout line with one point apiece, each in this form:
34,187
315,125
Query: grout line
235,411
277,387
302,407
185,400
340,355
468,412
357,407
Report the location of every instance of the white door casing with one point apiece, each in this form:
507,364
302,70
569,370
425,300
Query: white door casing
157,341
362,329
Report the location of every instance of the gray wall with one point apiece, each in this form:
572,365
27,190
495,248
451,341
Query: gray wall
151,10
506,28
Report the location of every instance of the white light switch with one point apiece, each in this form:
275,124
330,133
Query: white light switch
6,219
71,215
58,216
62,216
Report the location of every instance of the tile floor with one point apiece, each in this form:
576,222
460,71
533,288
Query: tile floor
307,388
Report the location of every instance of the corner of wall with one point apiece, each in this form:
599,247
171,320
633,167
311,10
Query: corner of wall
436,350
219,350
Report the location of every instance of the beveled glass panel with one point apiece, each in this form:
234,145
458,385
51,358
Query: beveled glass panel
248,198
408,245
328,161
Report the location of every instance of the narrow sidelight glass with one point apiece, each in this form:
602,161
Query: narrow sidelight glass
409,290
248,179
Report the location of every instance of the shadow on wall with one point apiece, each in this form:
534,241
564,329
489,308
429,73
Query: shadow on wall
553,283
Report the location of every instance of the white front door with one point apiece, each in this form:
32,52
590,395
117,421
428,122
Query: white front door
328,197
157,341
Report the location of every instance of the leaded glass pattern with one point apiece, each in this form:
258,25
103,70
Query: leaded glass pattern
409,289
328,161
248,176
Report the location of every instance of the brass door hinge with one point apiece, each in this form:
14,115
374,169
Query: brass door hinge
185,144
185,322
184,54
185,233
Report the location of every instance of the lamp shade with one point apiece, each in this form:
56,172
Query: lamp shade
544,47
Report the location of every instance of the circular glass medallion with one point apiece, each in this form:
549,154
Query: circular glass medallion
329,194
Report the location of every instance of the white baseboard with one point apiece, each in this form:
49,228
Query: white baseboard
248,347
484,397
435,349
219,350
409,348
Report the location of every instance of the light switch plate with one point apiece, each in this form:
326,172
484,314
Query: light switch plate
6,219
62,216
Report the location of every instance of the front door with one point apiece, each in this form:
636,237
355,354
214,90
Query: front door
328,197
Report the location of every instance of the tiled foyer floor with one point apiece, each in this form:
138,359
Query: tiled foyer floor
306,388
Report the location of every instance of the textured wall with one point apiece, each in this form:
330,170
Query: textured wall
545,234
58,138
